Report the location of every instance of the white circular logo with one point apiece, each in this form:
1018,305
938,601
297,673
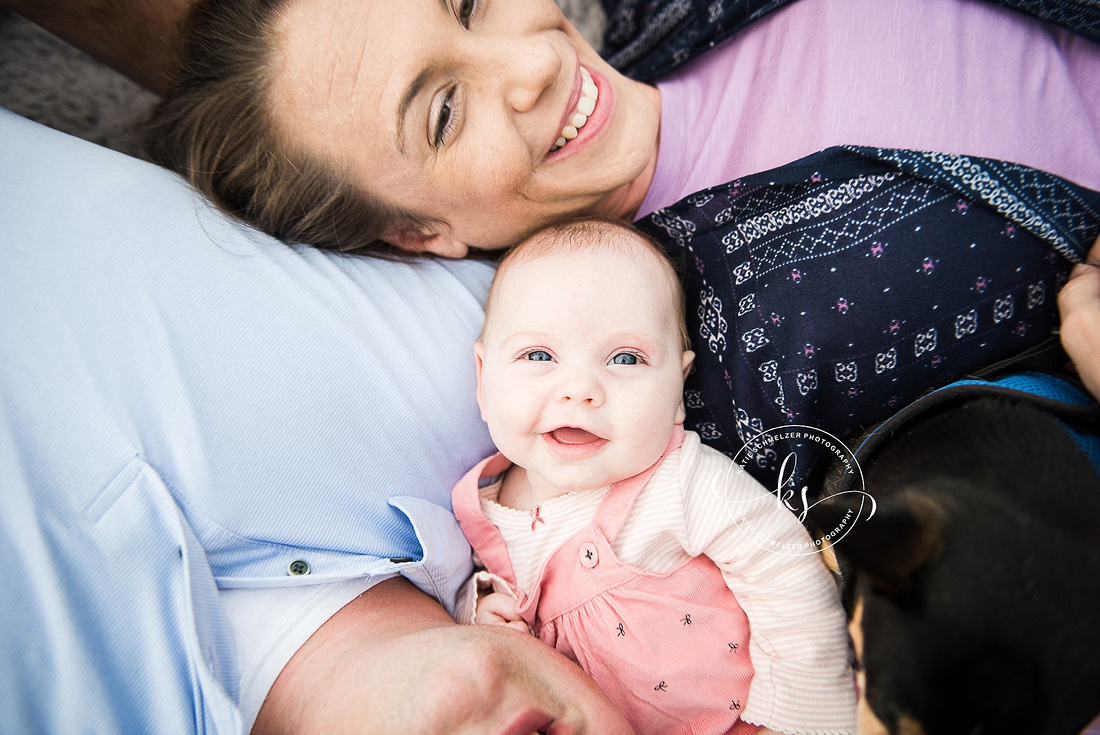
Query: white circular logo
765,444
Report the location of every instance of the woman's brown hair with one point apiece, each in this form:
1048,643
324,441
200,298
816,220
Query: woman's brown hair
216,128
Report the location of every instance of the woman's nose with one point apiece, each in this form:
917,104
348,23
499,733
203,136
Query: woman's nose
530,67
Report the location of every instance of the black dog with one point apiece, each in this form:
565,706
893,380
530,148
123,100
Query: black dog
974,590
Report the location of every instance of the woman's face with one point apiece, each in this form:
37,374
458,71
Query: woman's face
452,109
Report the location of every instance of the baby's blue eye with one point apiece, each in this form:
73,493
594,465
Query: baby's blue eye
538,356
624,358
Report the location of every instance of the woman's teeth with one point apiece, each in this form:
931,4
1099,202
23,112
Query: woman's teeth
585,106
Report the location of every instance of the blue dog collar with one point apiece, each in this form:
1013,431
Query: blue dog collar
1057,396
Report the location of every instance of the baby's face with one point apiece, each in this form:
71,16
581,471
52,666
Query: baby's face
581,371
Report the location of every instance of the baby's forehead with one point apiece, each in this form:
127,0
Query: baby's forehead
590,273
586,248
592,256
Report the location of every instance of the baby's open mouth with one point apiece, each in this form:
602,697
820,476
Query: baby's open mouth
585,106
571,435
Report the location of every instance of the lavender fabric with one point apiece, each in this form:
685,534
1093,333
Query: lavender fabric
647,38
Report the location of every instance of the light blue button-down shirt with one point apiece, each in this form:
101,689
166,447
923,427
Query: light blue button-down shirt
188,405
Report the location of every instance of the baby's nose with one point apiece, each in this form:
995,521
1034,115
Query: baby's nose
580,386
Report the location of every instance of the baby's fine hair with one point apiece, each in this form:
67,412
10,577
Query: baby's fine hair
586,233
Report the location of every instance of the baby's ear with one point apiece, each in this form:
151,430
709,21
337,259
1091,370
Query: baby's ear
688,359
415,240
479,360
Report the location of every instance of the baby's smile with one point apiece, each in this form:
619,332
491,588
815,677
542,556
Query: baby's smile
570,442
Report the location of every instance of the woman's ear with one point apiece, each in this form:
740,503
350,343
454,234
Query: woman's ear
416,240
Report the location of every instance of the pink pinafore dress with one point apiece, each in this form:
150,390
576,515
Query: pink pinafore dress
669,649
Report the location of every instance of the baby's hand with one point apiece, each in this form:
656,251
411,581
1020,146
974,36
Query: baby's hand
497,608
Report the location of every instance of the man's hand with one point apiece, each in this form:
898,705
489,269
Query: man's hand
1079,305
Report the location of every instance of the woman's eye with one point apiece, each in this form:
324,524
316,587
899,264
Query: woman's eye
465,10
445,120
538,356
624,358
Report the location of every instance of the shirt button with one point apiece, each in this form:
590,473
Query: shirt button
297,568
588,556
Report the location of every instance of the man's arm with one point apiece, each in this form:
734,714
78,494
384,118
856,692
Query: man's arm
139,38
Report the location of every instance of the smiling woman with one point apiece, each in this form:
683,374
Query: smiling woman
347,125
456,110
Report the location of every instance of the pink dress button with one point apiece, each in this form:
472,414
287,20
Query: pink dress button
588,555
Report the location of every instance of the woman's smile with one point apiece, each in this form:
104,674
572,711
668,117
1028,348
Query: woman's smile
587,94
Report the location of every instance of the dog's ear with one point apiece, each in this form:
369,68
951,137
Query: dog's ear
904,533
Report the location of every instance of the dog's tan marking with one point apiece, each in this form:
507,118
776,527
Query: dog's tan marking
908,726
866,722
828,555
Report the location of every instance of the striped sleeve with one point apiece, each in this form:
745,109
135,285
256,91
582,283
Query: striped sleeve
803,682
